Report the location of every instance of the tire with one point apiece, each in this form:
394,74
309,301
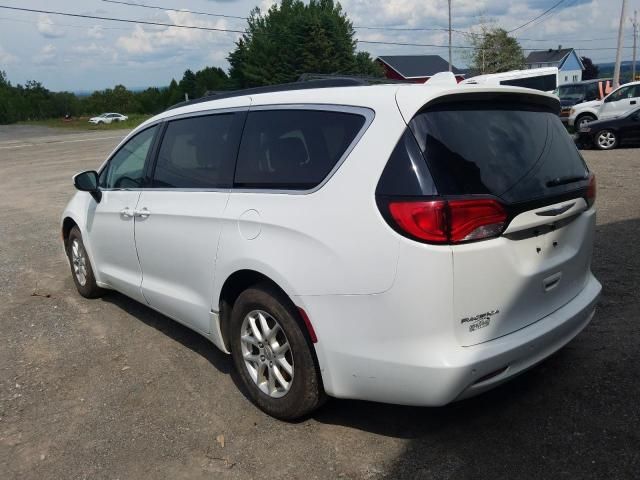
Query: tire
260,364
81,269
583,119
606,140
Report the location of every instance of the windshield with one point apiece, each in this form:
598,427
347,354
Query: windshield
515,152
571,92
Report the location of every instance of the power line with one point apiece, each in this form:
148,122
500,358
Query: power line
125,20
157,7
84,27
536,18
357,27
195,27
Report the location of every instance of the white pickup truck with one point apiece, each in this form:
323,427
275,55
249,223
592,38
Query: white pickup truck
618,102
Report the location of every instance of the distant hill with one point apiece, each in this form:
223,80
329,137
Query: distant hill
606,70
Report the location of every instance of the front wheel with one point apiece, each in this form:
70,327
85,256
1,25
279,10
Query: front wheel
272,354
583,119
606,140
81,269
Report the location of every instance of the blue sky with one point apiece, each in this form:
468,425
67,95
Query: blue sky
81,54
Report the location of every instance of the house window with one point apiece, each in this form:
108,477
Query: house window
575,78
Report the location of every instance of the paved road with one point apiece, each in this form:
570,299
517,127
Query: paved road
110,389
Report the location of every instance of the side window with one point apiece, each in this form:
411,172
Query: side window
293,149
406,172
619,94
126,167
199,152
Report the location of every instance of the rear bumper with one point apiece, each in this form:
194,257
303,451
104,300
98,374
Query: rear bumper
436,371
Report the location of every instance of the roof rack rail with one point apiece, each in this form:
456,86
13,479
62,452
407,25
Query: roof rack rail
301,84
366,79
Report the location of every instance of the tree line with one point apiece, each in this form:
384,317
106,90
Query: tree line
290,39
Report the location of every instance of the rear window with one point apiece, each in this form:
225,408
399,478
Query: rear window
293,149
545,83
514,152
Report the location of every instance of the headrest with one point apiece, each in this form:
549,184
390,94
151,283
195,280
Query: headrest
287,153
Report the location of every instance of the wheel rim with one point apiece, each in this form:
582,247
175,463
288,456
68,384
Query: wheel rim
606,139
583,121
79,262
267,353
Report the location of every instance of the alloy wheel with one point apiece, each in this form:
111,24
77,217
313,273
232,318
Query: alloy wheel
267,354
79,262
606,140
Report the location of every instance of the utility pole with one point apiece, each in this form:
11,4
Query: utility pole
634,22
450,61
616,71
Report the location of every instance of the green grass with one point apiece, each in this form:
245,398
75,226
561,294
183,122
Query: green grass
82,123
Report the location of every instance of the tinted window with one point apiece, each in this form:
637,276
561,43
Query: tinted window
126,167
516,152
198,152
546,83
406,172
620,94
293,149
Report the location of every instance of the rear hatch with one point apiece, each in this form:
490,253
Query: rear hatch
507,159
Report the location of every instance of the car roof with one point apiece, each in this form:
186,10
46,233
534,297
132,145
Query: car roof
409,97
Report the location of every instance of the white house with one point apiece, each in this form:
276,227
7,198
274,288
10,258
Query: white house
565,59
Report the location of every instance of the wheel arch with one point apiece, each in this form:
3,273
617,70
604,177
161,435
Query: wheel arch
239,281
67,224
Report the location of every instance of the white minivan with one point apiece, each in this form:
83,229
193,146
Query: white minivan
409,244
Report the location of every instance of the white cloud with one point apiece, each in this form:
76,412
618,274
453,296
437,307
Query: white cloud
96,31
152,43
6,57
46,56
47,28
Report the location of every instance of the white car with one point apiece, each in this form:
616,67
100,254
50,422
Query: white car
409,244
108,118
617,103
583,113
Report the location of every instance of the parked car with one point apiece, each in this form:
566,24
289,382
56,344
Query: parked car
571,94
618,102
409,244
610,133
108,118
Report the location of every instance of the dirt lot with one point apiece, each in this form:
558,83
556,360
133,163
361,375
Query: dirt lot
110,389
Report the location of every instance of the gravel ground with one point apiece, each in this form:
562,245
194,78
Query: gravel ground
110,389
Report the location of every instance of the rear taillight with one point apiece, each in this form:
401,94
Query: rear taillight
449,221
591,191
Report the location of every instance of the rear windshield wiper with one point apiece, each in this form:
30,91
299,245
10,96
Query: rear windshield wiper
566,180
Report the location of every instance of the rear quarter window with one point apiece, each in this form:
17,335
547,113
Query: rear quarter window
293,149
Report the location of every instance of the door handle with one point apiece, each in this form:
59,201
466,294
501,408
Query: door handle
127,213
144,213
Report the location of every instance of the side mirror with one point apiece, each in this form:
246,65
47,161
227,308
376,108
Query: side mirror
88,182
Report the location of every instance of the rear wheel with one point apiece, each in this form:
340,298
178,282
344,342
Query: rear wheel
606,140
273,355
81,269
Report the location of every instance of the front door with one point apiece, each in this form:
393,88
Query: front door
110,223
620,101
180,217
